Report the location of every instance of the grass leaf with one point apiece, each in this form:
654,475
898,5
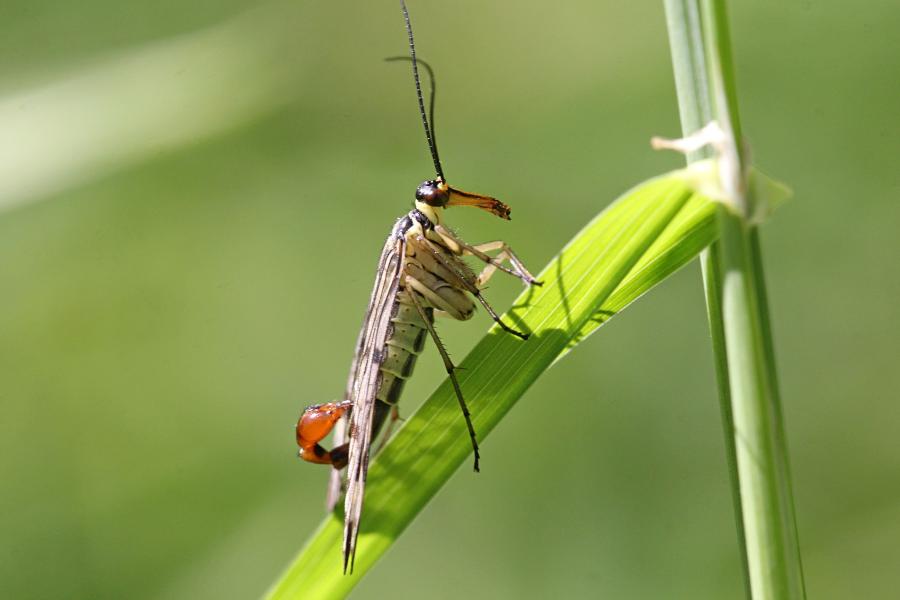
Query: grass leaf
639,240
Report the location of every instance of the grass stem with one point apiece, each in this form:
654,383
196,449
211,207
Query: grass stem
738,310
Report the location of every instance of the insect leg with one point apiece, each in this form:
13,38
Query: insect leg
480,251
315,423
448,365
506,253
496,317
468,284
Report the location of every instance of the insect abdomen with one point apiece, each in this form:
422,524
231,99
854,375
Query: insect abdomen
405,341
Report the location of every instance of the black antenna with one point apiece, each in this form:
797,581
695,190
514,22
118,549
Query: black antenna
433,82
429,130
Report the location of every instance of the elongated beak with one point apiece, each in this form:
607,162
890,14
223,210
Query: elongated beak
492,205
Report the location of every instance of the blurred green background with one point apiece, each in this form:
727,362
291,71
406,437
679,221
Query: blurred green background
193,199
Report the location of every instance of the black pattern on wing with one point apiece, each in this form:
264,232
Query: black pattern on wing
339,433
364,377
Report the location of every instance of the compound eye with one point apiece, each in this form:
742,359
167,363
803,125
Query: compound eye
431,194
425,191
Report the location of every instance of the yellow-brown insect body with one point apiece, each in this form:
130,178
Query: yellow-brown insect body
431,270
420,272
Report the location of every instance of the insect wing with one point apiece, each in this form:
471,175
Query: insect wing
363,386
339,433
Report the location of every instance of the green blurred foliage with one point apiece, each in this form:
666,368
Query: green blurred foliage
163,325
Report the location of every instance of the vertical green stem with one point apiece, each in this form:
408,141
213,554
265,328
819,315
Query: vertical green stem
689,65
738,311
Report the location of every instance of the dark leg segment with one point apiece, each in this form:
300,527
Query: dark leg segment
448,365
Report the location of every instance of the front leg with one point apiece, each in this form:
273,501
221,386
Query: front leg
461,278
492,264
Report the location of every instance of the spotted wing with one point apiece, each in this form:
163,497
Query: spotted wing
364,382
339,433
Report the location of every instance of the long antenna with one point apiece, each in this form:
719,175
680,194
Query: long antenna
429,130
431,95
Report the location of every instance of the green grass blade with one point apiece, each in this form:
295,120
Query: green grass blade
635,243
690,231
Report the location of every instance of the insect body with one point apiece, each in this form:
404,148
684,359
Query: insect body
420,274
